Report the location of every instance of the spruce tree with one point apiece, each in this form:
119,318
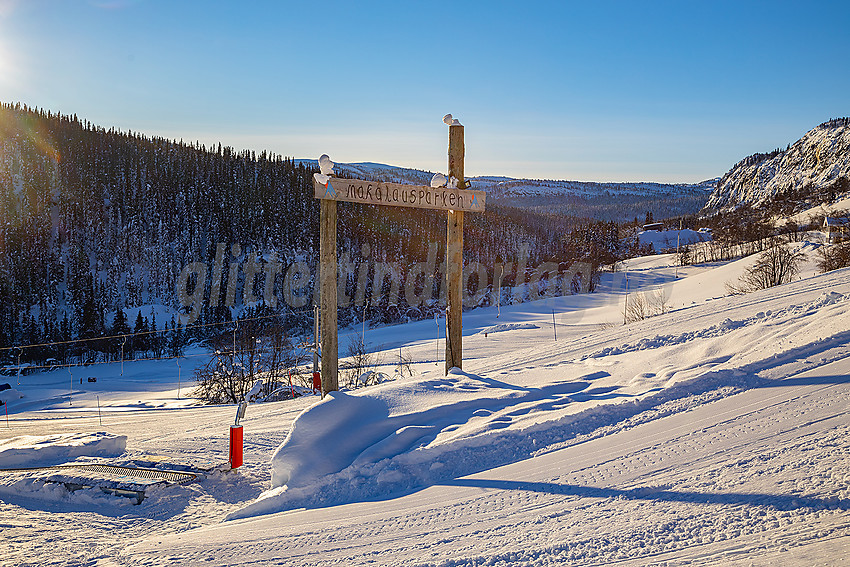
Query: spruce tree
119,332
139,337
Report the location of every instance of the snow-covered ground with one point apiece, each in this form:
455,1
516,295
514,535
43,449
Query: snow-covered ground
663,240
716,433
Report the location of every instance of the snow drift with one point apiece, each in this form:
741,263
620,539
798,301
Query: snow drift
30,451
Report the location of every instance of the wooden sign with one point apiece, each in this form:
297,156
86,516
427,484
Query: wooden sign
400,195
455,201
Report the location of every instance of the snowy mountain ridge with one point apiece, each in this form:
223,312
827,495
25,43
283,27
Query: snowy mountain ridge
527,187
502,186
818,160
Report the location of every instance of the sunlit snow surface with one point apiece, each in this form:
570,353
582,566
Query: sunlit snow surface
47,450
715,434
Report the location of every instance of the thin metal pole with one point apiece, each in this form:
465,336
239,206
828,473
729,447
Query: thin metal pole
499,292
289,377
437,341
554,330
71,391
99,417
678,237
626,305
178,377
363,335
233,356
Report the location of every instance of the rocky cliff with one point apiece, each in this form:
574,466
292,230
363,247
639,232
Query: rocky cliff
816,162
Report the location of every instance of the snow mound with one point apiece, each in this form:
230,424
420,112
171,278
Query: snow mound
356,429
828,298
360,447
9,395
46,450
507,327
317,444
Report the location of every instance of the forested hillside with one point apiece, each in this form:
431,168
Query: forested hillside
95,220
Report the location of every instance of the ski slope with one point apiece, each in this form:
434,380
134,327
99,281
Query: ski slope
747,477
714,434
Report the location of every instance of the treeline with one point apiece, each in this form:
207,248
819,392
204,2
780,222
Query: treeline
94,221
795,199
613,207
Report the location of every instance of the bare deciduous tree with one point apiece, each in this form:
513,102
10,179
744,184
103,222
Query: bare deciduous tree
834,256
405,362
249,353
636,308
642,305
659,301
359,361
777,265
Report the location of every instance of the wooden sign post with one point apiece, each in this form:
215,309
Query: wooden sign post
328,296
454,258
452,199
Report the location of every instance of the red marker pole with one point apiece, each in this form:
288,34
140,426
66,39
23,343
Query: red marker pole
291,390
235,446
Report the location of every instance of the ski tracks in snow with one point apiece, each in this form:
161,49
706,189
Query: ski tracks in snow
758,472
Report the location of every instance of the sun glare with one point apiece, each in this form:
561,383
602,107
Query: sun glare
8,70
4,64
6,7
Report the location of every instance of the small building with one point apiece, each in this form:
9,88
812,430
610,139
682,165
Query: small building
656,226
836,228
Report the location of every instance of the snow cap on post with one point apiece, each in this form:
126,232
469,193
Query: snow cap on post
439,180
326,168
448,120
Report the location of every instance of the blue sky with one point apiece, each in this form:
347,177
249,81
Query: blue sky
605,91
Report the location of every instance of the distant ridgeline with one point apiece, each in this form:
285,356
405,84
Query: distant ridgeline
94,220
812,170
618,202
606,201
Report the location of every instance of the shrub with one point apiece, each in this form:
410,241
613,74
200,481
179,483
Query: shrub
834,256
776,265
